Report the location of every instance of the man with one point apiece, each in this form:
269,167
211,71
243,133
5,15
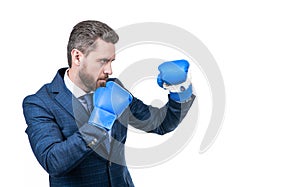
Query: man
79,141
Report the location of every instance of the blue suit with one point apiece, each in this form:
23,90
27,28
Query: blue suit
75,153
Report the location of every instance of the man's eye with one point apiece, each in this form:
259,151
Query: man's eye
103,61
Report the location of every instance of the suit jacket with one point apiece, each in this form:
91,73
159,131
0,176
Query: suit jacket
75,153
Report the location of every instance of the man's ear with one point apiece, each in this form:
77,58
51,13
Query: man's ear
76,56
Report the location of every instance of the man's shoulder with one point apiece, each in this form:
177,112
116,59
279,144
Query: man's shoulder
39,95
44,91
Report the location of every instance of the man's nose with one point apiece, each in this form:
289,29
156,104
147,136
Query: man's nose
108,69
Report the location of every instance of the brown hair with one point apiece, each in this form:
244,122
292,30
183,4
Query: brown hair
84,35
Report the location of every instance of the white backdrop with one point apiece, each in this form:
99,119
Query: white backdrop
255,43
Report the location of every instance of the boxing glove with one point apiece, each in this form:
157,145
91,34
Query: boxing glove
109,103
173,76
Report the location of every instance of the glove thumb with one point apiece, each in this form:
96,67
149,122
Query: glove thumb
160,82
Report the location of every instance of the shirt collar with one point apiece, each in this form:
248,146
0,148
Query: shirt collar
75,90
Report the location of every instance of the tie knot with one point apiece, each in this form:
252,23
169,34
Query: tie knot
88,98
88,101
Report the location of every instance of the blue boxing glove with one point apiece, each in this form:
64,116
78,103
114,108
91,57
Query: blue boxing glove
109,103
173,76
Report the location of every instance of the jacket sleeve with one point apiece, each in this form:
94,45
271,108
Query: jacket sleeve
158,120
56,153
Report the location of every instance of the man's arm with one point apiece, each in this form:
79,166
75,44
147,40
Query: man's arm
158,120
56,153
173,76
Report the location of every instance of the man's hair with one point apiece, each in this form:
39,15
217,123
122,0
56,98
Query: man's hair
84,35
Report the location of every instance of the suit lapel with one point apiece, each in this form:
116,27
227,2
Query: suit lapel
67,100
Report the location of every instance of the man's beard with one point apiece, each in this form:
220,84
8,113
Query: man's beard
89,82
100,83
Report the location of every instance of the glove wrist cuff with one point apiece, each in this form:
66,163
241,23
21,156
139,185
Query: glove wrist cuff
182,96
102,118
178,87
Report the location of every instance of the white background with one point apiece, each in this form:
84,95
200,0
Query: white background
256,44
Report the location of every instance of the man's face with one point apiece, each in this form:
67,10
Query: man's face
96,66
